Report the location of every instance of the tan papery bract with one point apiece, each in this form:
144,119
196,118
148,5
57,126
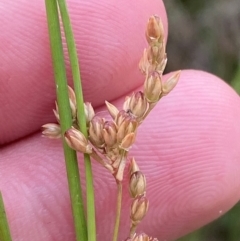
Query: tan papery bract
112,109
110,133
139,209
77,141
127,126
133,166
170,83
96,131
51,130
153,88
127,141
73,102
89,112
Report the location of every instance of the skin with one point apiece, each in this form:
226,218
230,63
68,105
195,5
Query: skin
188,147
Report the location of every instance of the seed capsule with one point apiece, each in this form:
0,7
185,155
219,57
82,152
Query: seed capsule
127,141
51,130
137,105
121,116
153,88
139,209
137,185
96,131
77,141
110,133
154,31
127,126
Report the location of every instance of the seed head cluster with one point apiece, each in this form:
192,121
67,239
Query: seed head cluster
109,141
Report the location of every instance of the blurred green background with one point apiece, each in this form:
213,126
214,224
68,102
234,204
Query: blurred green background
205,34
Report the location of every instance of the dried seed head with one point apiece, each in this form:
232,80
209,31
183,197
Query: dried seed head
51,130
72,101
95,131
153,88
127,141
110,133
77,141
137,185
170,83
136,104
154,31
112,109
139,209
127,126
143,237
89,111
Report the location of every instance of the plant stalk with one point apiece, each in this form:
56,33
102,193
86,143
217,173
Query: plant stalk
4,227
118,212
66,119
72,50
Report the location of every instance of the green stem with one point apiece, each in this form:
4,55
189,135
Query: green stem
118,212
66,119
236,80
4,228
91,223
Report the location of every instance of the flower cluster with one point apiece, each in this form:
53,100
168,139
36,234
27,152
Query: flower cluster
109,141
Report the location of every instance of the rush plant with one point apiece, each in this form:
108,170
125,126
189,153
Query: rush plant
107,141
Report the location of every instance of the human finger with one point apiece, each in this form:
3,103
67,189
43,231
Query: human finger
188,148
